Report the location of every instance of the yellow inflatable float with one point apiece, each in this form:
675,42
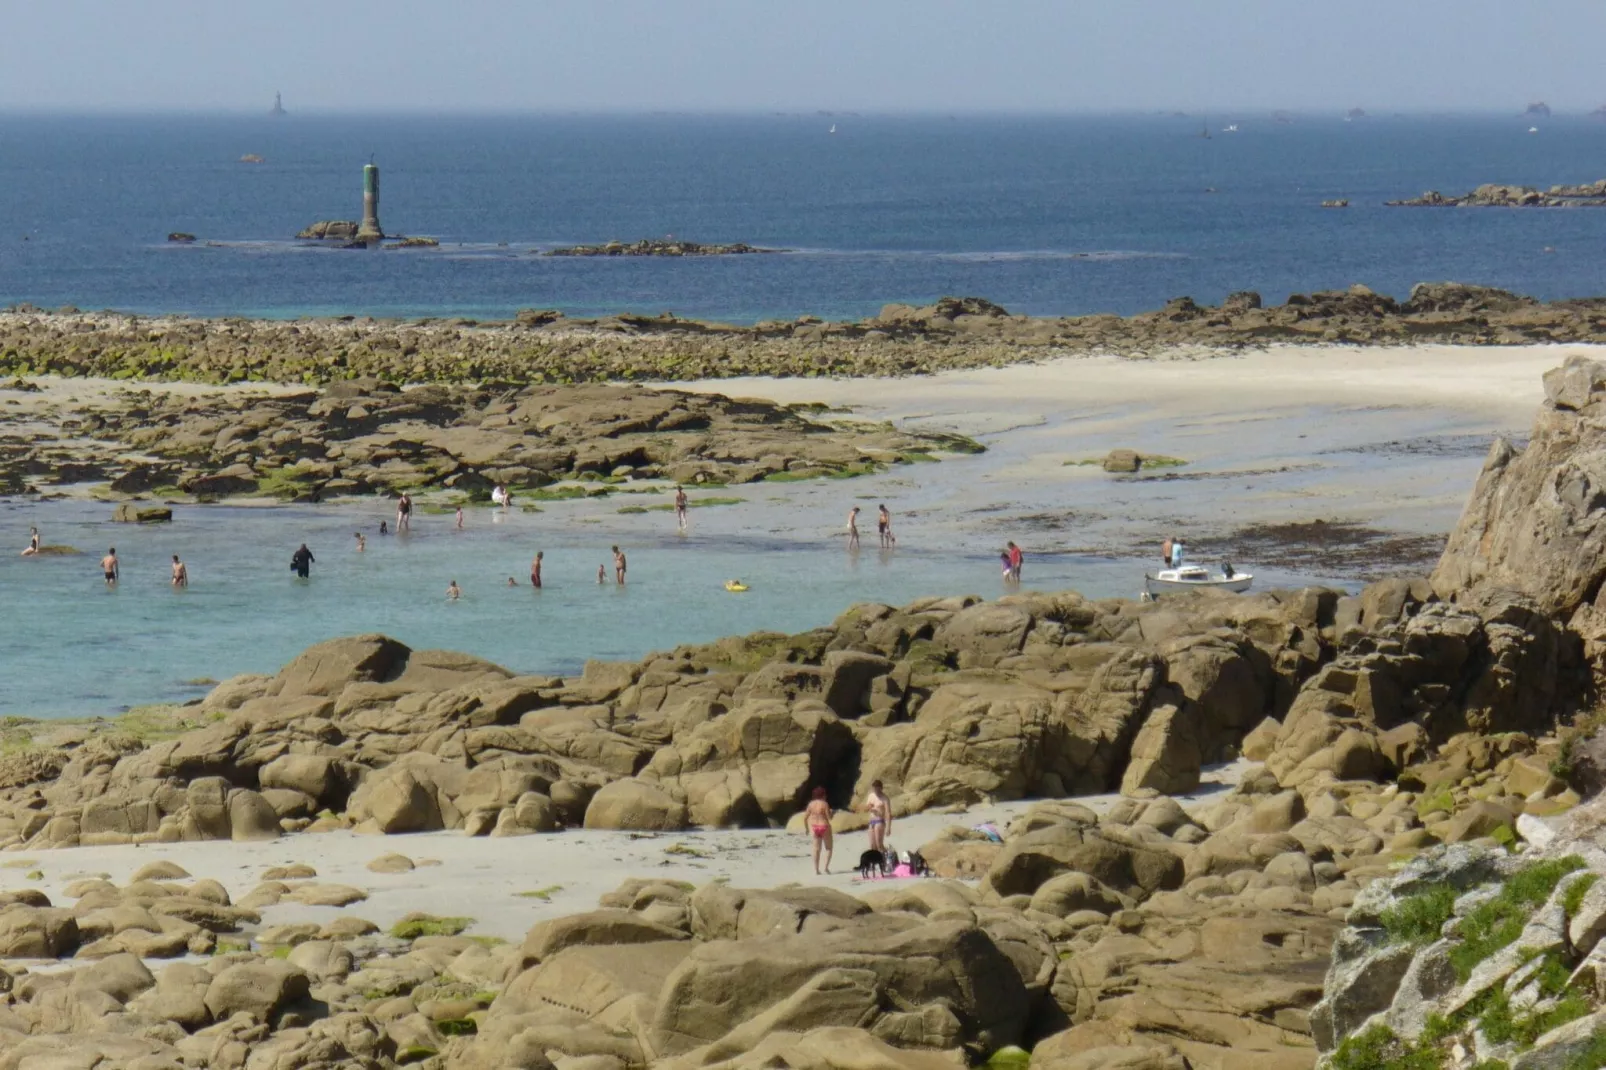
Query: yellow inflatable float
735,585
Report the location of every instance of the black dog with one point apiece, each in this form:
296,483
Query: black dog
873,863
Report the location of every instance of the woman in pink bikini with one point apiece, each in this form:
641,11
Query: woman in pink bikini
817,819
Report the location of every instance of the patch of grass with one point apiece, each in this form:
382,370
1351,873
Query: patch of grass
417,1053
1417,920
1505,836
229,947
1573,897
457,1027
281,952
487,942
632,509
1502,1024
915,457
415,925
484,997
543,894
1379,1049
789,477
1438,797
1592,1057
1498,922
852,471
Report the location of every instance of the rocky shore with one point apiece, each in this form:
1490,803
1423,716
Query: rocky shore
1450,720
658,247
547,347
359,436
1494,195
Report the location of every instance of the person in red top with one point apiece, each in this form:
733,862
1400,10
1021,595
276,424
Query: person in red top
1015,559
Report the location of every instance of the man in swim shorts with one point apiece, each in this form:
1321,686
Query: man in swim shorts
680,505
883,526
879,807
108,566
535,569
853,528
817,819
619,566
181,574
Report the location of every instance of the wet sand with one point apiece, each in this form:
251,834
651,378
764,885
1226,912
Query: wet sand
1380,444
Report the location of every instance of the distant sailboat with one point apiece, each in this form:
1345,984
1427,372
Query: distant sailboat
832,130
1533,130
278,106
1232,128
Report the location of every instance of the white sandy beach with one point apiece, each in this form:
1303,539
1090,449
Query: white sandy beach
482,878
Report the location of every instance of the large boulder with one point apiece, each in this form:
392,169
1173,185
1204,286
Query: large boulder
637,805
1536,520
952,967
326,669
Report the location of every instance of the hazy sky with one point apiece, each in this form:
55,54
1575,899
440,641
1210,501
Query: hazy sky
758,55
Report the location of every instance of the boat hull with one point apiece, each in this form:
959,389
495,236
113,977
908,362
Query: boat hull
1236,585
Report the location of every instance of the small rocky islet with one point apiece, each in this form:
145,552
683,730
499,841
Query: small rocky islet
1497,195
1406,879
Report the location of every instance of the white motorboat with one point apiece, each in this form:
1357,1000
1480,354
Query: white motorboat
1195,577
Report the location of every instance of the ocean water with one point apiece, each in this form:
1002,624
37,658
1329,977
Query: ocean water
1044,215
75,648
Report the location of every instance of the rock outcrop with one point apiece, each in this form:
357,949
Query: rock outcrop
658,247
1474,956
1494,195
363,435
953,332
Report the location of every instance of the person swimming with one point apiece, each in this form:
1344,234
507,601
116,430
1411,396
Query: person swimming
362,541
453,591
511,582
383,530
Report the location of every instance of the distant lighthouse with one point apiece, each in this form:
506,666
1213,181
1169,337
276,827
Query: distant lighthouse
369,230
278,106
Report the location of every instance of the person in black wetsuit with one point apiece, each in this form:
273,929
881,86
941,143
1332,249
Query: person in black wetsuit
301,562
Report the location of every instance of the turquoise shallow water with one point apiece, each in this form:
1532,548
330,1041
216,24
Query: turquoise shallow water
74,648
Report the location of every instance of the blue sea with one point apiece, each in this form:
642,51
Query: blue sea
1043,215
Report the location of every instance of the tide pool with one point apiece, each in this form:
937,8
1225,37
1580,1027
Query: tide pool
74,648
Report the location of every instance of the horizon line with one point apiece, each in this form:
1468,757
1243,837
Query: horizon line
778,111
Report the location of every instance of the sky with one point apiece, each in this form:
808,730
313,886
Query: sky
804,55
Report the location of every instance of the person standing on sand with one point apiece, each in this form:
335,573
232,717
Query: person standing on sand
535,569
404,513
453,591
1016,558
680,506
181,574
301,562
619,566
459,518
853,528
108,567
33,543
883,525
817,819
362,542
879,807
